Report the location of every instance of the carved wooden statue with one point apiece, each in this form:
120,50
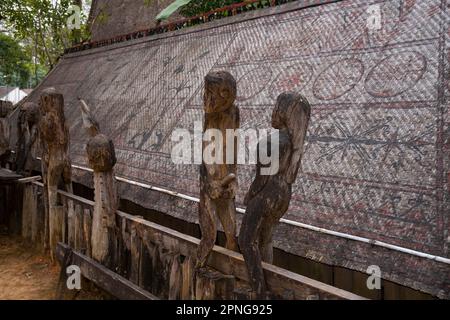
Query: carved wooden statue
56,165
27,137
102,158
218,183
5,108
269,195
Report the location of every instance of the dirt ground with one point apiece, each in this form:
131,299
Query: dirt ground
26,274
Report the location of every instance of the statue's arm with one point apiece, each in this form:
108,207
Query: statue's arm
294,165
258,183
260,180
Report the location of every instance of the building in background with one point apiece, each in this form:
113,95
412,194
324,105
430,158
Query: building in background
13,94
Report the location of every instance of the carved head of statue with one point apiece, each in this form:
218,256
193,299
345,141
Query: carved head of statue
291,113
220,91
52,120
101,153
289,109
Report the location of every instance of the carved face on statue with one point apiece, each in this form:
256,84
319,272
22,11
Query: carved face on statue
101,153
220,91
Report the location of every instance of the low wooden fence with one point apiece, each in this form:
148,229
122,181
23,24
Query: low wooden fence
156,261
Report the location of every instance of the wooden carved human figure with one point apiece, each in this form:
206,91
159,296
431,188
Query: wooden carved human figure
56,165
218,183
102,158
5,150
269,195
27,137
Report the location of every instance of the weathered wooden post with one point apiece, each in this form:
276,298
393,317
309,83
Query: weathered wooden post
218,183
27,137
56,165
270,193
102,158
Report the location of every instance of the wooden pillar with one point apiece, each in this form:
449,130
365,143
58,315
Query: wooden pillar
79,230
56,165
175,280
29,210
187,286
102,158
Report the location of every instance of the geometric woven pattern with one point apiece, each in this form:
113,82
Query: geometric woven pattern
376,160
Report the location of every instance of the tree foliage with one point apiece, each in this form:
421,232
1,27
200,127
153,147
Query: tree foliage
191,8
41,27
171,8
15,68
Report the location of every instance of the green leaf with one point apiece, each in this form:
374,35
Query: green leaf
171,8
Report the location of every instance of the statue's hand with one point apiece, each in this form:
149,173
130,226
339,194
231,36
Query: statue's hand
229,192
215,190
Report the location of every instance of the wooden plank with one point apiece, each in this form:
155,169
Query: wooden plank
28,210
187,285
37,220
14,206
213,285
79,231
135,249
29,179
106,279
391,291
64,220
55,223
146,271
87,229
71,226
343,278
175,279
122,248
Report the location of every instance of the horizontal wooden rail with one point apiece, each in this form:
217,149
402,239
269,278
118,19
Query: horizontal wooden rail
29,179
104,278
230,262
